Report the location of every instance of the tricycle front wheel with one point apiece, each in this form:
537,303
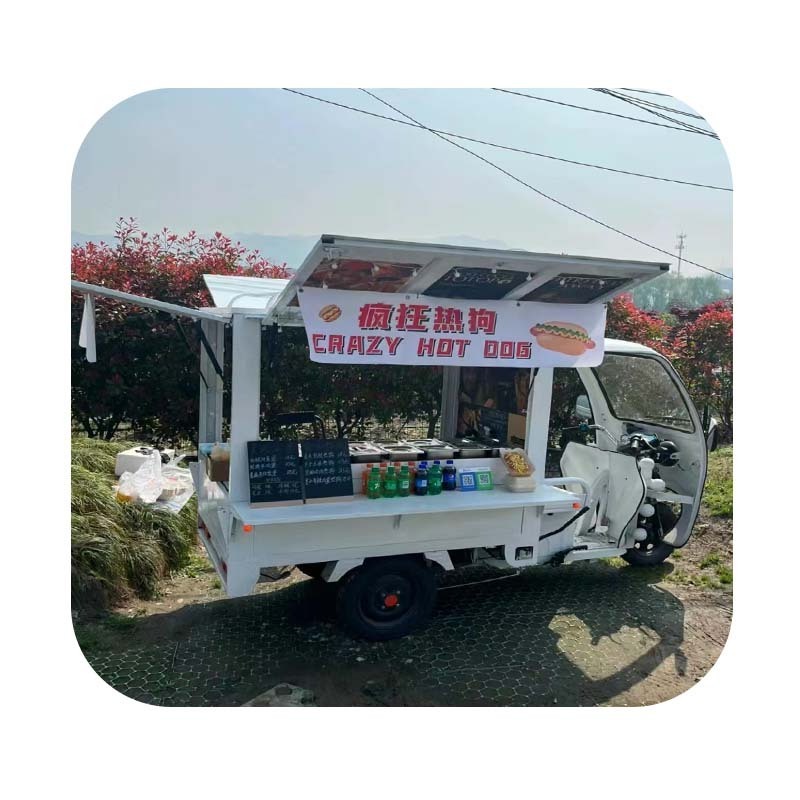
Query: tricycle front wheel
647,554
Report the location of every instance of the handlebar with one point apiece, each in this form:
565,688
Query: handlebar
637,444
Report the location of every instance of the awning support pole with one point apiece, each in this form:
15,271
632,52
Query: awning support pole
245,401
209,350
211,391
538,422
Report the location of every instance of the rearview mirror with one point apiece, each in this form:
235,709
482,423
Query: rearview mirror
582,408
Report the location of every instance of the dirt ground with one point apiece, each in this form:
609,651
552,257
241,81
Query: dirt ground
599,633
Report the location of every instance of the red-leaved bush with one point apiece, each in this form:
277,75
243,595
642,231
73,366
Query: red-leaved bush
702,346
144,376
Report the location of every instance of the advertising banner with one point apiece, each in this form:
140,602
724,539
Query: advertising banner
383,328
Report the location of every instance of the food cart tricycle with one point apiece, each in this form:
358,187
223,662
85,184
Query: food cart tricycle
631,475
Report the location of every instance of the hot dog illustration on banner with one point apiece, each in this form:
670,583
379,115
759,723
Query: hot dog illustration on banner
330,313
563,337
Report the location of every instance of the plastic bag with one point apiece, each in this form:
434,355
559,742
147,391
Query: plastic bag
517,462
174,482
143,485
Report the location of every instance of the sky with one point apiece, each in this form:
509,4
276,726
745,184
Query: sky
267,162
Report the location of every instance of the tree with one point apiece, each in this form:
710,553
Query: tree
684,291
625,321
144,376
702,345
347,396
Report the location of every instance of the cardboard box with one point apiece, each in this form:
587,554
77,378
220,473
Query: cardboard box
516,429
218,470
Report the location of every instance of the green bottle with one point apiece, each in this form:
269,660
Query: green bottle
374,484
435,479
390,483
404,482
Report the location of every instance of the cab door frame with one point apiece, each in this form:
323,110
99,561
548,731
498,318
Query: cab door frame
688,477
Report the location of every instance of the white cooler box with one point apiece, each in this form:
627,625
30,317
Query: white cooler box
131,460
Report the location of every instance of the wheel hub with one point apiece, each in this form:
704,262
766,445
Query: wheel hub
389,598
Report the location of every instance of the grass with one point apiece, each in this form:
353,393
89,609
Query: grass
196,566
725,575
119,550
711,560
718,494
683,578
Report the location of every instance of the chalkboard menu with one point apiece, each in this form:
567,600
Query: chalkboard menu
274,469
326,469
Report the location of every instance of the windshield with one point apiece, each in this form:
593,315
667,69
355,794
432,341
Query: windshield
640,389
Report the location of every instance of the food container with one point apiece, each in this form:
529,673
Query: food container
520,483
470,448
517,463
401,451
366,453
433,448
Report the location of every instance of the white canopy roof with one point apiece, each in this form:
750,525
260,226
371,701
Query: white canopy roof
383,265
239,291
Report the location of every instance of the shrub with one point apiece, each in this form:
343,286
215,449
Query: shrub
119,550
142,358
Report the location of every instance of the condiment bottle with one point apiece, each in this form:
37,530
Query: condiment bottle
404,482
374,484
390,483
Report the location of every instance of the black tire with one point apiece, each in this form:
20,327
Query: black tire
313,570
363,602
642,557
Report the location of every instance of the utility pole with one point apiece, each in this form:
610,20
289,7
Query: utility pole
679,248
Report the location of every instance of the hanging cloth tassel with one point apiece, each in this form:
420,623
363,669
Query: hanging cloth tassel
86,336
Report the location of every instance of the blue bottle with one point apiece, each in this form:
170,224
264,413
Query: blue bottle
449,477
421,480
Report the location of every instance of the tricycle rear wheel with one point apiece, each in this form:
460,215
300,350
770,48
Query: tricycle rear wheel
386,598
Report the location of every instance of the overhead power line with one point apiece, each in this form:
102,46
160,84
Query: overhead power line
508,147
681,128
644,91
642,102
636,103
538,191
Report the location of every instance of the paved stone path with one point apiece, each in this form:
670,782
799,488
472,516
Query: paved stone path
590,634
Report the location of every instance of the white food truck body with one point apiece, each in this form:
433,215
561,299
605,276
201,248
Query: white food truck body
604,505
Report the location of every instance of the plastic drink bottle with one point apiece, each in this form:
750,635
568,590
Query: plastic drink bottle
404,482
449,477
374,484
390,483
435,478
421,480
365,473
